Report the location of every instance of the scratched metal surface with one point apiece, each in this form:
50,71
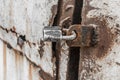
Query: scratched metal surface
23,56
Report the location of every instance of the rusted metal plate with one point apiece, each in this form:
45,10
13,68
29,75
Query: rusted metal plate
77,41
99,62
86,36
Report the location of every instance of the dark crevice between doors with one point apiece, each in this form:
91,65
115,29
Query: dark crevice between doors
73,64
57,44
74,56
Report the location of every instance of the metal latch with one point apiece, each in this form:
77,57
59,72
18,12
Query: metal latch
75,36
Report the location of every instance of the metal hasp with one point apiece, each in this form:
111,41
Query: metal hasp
86,36
76,35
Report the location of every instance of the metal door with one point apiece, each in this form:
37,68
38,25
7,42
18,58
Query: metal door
25,56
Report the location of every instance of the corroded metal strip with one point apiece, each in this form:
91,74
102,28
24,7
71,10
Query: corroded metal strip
87,36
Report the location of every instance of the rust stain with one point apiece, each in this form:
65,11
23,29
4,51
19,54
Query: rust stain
89,55
30,71
19,63
21,53
106,36
4,61
17,59
106,40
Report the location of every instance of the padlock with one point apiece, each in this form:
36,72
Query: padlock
52,33
55,34
76,35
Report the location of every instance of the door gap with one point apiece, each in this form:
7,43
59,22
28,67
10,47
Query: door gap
55,44
74,55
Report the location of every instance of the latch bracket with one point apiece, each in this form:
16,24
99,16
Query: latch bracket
87,35
76,35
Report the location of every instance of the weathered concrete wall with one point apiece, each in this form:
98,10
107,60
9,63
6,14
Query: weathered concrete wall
102,62
23,55
15,66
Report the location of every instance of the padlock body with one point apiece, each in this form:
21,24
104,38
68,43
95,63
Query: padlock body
52,33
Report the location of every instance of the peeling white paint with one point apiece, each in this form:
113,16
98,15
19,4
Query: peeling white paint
28,18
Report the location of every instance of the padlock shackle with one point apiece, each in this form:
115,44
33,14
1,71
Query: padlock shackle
69,37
